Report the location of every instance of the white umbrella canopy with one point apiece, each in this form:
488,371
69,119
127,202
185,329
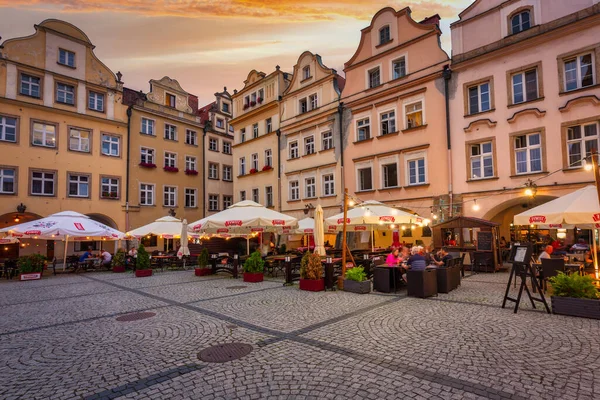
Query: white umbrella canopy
245,217
168,227
319,231
579,208
305,226
373,215
184,250
9,240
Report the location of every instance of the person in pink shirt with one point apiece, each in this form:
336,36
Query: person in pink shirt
393,259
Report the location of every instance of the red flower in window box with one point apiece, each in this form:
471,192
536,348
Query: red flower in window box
147,165
259,100
105,194
267,168
113,195
191,172
253,171
252,103
246,106
171,169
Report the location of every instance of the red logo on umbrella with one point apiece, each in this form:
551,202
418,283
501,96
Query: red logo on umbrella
197,227
537,218
222,230
596,217
233,223
278,222
33,232
555,225
308,230
360,228
78,226
387,218
256,230
341,220
167,236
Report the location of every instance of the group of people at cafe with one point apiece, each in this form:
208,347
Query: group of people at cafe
417,258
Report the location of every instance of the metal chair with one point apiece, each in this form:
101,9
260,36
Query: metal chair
550,267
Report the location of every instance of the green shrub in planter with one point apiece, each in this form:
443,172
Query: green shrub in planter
31,263
356,274
203,259
143,258
119,258
356,281
574,285
254,264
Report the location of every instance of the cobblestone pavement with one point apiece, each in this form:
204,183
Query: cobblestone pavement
60,339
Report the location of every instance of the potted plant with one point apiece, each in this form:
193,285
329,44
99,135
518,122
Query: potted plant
167,168
147,165
259,100
356,281
252,103
203,268
118,261
31,267
254,267
575,295
191,172
142,263
253,171
267,168
311,273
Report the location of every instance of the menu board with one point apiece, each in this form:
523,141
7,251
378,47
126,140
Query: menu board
520,254
485,241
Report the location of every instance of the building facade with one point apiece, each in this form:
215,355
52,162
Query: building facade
525,107
310,139
62,132
218,153
395,143
256,125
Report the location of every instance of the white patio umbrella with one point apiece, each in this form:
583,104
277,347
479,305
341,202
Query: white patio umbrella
305,226
9,240
319,231
184,250
167,227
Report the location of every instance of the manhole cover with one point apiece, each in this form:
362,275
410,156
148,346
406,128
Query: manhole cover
225,352
136,316
236,287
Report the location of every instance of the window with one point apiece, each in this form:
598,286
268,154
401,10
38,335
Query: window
326,140
213,171
109,188
310,188
269,196
190,163
255,161
253,97
303,106
374,77
242,135
96,101
191,137
294,190
247,101
482,160
44,135
365,181
384,35
309,145
328,185
399,68
225,108
170,132
79,140
170,196
268,158
30,85
66,57
191,198
170,100
79,185
65,93
306,72
231,129
147,126
528,153
243,166
388,122
416,171
255,131
255,195
227,173
313,100
579,72
242,195
479,98
525,86
580,139
521,22
269,125
261,95
111,145
227,202
147,155
390,175
414,115
226,147
220,123
213,144
7,181
42,183
294,150
170,159
8,129
363,129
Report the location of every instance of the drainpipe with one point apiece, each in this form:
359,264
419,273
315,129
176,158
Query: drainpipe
278,132
204,171
129,113
447,76
341,114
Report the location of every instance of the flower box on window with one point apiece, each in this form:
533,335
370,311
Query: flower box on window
147,165
267,168
246,106
113,195
252,103
191,172
259,100
171,169
253,171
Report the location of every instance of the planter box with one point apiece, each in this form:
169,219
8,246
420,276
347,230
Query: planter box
253,277
422,283
444,279
118,269
357,287
202,271
141,273
31,276
587,308
313,285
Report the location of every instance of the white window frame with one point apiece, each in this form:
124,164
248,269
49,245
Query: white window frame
406,113
269,125
69,57
5,177
326,142
303,102
148,153
227,202
147,126
64,93
213,144
309,145
385,28
113,142
31,82
390,121
294,151
190,198
170,134
111,185
578,70
75,133
170,159
96,101
191,163
227,173
368,76
294,189
482,156
313,101
523,84
242,195
398,60
43,179
4,126
479,94
359,186
226,147
220,123
147,189
254,161
81,180
256,195
310,187
242,135
46,134
191,137
410,158
169,196
383,165
328,184
213,170
520,27
306,72
366,125
255,132
268,158
582,142
527,149
242,165
268,196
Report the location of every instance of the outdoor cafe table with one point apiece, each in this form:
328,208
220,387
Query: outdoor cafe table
88,263
162,259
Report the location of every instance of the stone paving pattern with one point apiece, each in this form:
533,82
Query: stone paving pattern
59,339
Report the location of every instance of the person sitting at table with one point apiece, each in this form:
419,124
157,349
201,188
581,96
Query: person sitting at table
393,259
546,253
443,257
405,253
86,255
417,260
581,245
106,258
428,254
133,252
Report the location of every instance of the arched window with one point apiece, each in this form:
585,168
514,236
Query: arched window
521,21
384,34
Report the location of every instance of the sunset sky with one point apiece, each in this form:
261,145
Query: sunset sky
208,44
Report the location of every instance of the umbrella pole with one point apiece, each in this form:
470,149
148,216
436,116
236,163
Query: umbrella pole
595,253
372,240
247,245
65,257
